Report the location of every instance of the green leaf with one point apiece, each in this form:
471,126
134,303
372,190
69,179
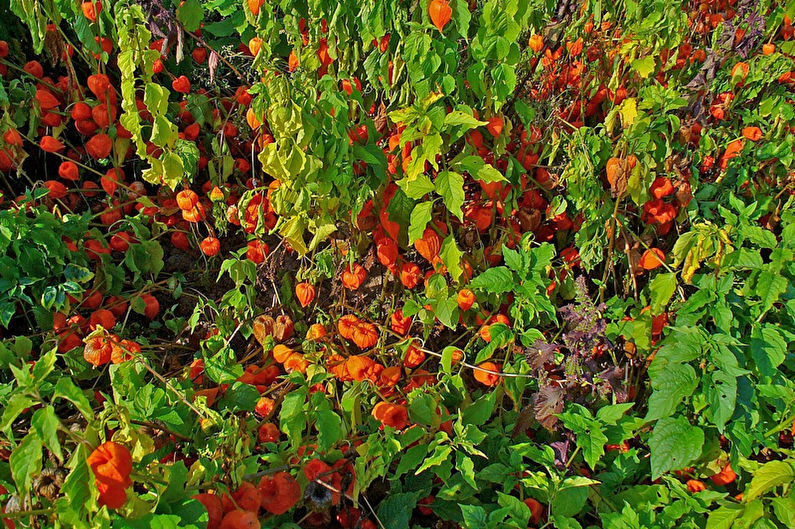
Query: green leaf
479,169
489,174
190,513
411,459
592,442
504,76
173,170
420,217
662,287
321,232
785,509
292,417
758,236
752,516
67,389
222,28
417,187
461,17
767,477
45,423
723,517
577,481
293,232
514,260
176,476
479,411
6,355
474,516
166,521
156,98
440,455
495,473
451,257
769,287
329,429
189,154
77,273
644,66
722,397
684,344
670,385
14,407
146,257
768,349
239,397
422,409
25,462
222,367
450,185
399,209
190,13
496,280
447,311
447,358
519,511
457,118
564,522
76,486
466,466
610,415
500,335
674,444
164,133
395,510
590,435
33,15
526,114
570,501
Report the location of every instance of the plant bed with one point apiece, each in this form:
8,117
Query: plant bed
397,265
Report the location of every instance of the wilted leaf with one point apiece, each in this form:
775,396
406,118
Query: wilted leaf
547,404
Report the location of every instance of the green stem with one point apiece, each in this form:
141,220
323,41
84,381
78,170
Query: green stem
25,514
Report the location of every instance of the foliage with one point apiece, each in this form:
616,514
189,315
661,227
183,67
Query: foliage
400,264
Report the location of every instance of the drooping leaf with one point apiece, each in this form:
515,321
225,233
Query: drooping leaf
768,349
46,423
451,257
662,287
25,461
450,185
329,428
420,217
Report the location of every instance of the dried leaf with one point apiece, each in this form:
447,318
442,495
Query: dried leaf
381,119
180,44
561,449
619,186
633,256
368,260
263,327
547,404
212,63
523,421
53,45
